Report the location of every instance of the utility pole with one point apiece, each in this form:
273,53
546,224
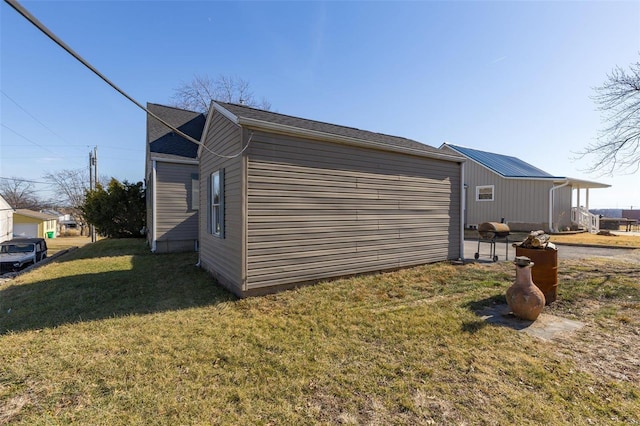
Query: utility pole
93,180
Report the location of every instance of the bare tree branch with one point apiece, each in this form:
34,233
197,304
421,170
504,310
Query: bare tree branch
20,194
197,94
617,147
70,186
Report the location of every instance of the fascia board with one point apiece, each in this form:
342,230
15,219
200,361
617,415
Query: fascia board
251,123
587,183
222,110
206,129
174,160
214,107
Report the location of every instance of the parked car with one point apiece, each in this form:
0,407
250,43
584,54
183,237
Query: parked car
21,252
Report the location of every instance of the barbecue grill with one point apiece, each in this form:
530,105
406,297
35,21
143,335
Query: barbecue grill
489,233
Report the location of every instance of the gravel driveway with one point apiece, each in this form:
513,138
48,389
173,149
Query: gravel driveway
564,252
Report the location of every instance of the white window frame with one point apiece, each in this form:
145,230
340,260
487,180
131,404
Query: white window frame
481,187
216,206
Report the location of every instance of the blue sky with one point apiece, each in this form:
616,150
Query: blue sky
508,77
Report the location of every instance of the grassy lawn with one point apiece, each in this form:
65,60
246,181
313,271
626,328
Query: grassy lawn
111,334
54,245
621,239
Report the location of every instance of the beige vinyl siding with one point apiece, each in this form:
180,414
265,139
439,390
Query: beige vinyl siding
223,257
562,206
515,200
318,210
177,222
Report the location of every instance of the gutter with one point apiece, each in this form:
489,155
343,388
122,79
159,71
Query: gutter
462,209
551,191
153,208
175,160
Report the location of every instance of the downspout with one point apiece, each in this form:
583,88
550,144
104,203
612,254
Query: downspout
551,191
153,208
463,202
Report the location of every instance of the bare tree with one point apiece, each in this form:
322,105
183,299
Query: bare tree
19,193
618,144
197,94
70,186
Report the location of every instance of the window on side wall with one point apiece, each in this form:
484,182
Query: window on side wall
484,193
217,203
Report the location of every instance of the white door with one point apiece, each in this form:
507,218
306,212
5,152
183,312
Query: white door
29,230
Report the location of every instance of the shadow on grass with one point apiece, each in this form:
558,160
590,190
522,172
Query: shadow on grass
119,278
493,310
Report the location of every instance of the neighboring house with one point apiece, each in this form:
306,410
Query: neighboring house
66,222
286,201
32,224
171,174
499,187
6,220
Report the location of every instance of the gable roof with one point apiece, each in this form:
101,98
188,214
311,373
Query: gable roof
268,120
4,205
35,215
164,141
504,165
514,168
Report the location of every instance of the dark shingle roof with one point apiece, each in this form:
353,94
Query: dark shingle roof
333,129
164,141
504,165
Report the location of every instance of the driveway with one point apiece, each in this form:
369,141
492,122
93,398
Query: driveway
564,252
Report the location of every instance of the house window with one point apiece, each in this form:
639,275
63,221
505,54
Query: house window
217,203
195,191
484,193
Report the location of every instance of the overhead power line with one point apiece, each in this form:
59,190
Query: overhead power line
25,13
26,138
25,180
30,115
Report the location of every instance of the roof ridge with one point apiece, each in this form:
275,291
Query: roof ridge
319,122
175,107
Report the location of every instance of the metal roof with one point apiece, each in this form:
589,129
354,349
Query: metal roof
504,165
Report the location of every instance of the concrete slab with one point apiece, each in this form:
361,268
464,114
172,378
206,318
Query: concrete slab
546,327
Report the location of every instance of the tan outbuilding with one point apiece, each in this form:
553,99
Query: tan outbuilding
286,200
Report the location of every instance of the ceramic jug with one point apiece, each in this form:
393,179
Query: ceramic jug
524,298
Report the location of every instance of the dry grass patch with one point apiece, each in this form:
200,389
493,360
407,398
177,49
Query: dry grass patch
115,335
616,240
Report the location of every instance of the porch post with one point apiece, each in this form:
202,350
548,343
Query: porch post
578,200
587,201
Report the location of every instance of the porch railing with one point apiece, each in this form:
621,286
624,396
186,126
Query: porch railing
581,217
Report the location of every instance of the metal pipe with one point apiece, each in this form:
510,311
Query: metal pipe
551,191
153,208
462,210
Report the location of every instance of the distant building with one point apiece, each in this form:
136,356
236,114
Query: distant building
500,187
32,224
6,220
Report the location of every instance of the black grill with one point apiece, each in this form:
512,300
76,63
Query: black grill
489,233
